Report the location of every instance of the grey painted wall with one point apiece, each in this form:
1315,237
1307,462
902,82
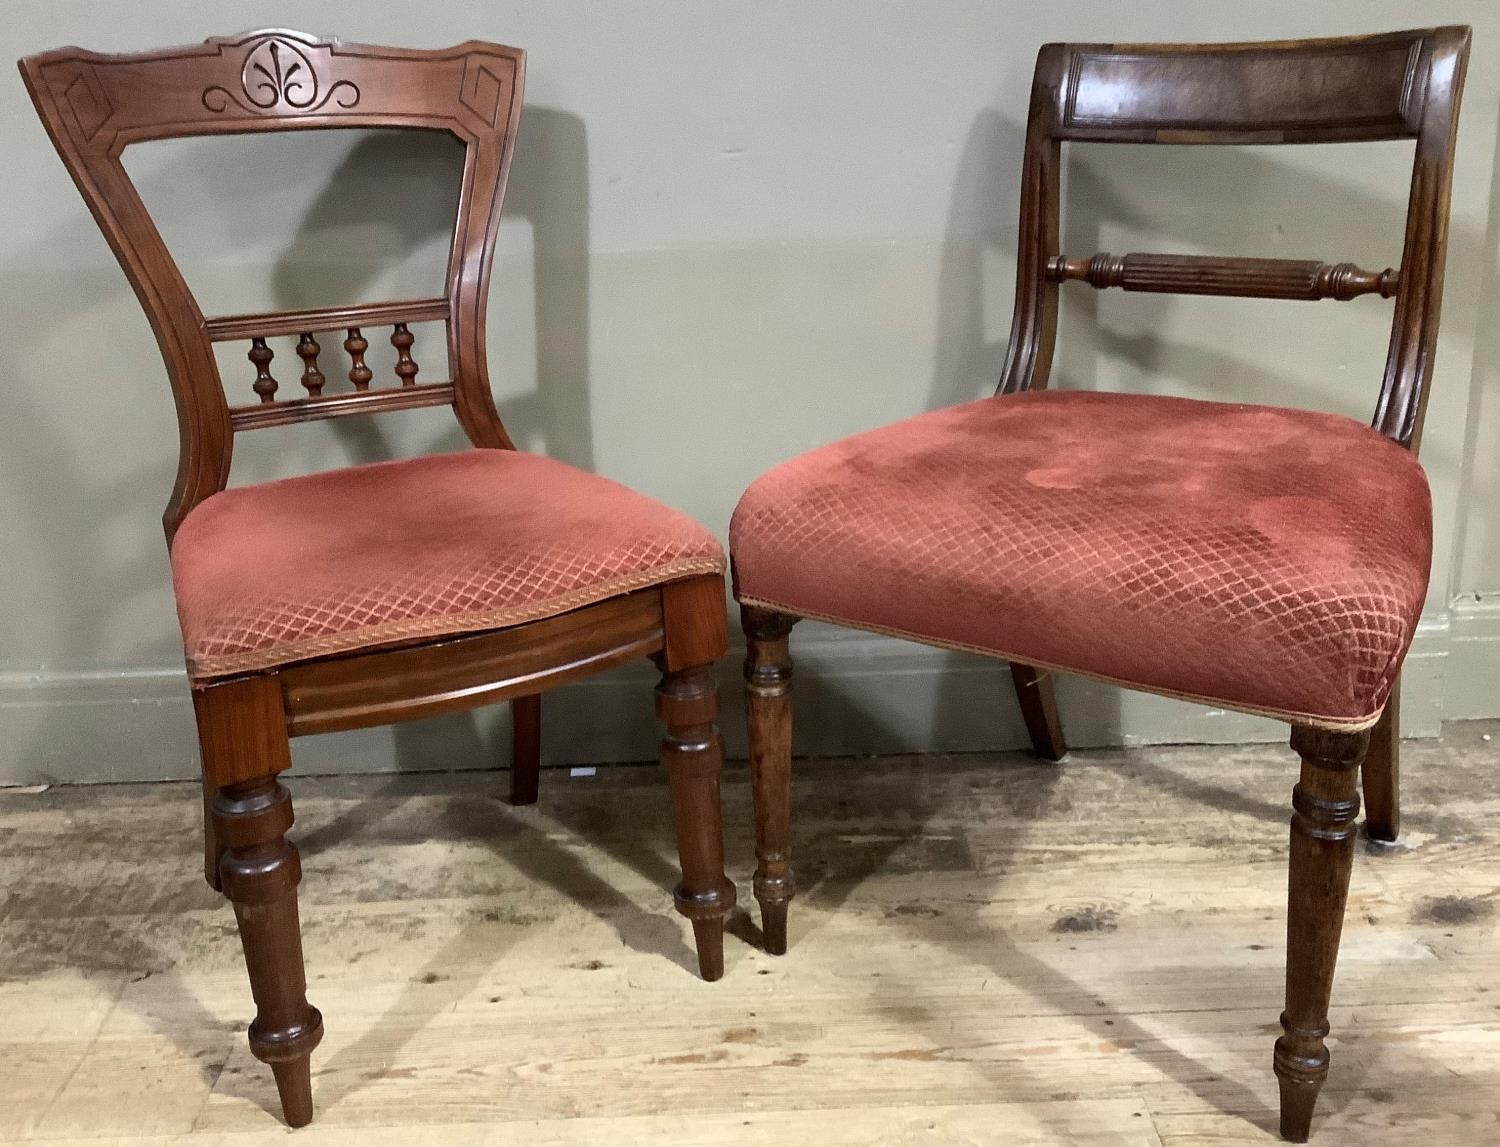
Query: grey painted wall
751,228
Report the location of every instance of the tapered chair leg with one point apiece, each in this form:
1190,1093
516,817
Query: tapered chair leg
768,717
1325,805
243,737
1382,775
526,749
260,871
1039,709
692,752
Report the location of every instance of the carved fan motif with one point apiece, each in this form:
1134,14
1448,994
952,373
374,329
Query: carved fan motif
278,75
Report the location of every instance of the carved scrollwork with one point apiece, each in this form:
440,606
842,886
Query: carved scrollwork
278,76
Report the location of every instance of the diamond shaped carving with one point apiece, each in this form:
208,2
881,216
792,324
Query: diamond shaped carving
89,102
481,92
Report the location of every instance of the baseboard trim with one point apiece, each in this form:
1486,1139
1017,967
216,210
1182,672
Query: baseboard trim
856,694
1473,671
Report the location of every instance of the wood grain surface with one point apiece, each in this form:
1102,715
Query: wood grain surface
989,949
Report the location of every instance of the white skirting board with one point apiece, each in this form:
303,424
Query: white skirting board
856,694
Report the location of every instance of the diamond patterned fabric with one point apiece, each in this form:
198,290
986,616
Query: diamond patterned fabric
451,543
1259,558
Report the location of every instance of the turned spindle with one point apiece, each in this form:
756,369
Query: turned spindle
261,355
307,351
406,366
355,346
1305,279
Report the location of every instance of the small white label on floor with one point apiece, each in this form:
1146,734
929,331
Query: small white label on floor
583,771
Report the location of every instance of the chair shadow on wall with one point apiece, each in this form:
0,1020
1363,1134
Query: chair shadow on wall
548,189
973,333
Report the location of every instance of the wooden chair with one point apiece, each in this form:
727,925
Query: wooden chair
1271,561
392,591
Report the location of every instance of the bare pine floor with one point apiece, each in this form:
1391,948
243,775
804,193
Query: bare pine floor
986,950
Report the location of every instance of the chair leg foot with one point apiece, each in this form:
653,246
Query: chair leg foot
526,749
692,752
768,718
1298,1097
773,925
294,1085
260,871
1038,700
1325,807
708,937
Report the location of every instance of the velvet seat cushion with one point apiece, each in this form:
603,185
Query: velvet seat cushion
451,543
1258,558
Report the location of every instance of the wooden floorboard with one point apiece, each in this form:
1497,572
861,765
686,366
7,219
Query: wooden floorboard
986,949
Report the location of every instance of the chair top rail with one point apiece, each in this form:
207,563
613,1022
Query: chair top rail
1309,91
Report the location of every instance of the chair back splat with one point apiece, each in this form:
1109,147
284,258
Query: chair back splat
1392,87
95,106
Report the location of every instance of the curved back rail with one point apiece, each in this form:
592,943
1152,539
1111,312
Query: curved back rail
94,106
1405,85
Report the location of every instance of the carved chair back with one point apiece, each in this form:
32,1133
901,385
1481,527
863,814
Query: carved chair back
1404,85
95,106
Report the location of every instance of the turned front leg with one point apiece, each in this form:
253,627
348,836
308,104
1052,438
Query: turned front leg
692,752
260,871
1325,806
768,717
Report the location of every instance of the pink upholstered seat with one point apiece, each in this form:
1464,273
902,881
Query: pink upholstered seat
450,543
1264,559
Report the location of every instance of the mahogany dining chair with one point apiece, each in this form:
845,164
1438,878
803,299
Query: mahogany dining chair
1266,560
395,590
